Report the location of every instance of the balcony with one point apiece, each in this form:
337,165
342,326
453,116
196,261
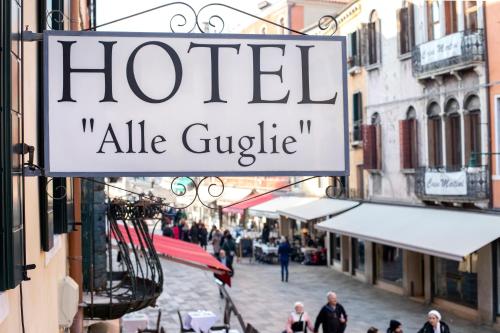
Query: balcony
460,185
451,53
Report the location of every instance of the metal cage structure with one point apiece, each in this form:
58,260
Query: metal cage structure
122,270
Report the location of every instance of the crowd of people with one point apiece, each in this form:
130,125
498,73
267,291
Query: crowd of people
333,319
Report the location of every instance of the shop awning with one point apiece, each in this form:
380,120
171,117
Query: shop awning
182,252
270,208
318,208
443,233
241,206
232,194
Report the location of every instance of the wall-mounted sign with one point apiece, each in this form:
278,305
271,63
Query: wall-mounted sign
194,104
446,183
441,49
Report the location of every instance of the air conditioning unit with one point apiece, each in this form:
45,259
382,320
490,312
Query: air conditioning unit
68,301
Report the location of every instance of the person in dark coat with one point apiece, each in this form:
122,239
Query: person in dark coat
372,330
229,248
332,316
203,235
434,324
284,250
194,233
266,231
395,327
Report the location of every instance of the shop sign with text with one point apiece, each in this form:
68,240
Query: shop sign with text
194,104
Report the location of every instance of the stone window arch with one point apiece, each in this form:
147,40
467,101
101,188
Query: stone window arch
453,134
472,130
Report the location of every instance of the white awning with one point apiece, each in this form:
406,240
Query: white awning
318,208
231,195
443,233
270,208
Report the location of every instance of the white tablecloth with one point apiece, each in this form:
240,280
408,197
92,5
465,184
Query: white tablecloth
200,321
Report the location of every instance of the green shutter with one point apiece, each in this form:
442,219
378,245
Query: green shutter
11,180
63,205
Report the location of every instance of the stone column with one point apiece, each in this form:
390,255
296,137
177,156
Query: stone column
413,284
427,278
345,258
485,299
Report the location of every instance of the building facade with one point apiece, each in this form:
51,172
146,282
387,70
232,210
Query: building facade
423,80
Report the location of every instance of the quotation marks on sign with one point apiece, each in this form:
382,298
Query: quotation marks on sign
91,123
308,124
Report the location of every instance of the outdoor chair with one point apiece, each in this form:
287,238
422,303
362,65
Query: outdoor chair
158,328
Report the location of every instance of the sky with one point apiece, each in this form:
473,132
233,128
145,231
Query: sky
159,20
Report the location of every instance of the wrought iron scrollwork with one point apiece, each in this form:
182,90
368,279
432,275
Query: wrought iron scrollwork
336,189
190,19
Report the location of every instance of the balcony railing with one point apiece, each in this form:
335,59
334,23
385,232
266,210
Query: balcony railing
452,51
464,185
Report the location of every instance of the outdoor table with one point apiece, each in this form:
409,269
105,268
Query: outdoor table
200,321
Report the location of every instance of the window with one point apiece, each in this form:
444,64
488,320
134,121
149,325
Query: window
408,147
450,13
470,15
374,39
11,180
456,281
433,24
406,28
453,134
357,117
372,144
282,24
353,49
434,135
389,264
472,131
358,255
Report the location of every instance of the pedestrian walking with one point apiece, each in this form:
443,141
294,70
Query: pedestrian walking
395,327
194,233
230,249
216,241
434,324
211,234
332,317
372,330
224,278
203,235
284,250
299,320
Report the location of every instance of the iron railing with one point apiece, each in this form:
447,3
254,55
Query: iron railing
477,182
472,50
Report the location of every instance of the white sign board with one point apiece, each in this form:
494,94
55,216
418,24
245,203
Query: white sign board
446,183
194,104
441,49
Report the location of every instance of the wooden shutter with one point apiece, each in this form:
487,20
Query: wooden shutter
431,142
364,45
411,26
372,159
402,22
408,143
378,147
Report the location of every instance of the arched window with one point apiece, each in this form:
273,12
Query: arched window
453,134
282,24
434,135
374,39
375,119
433,23
472,130
408,148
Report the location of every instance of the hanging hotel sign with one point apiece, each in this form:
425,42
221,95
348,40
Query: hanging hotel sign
446,183
194,104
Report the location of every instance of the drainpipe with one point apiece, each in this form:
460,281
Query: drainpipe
489,120
75,237
75,255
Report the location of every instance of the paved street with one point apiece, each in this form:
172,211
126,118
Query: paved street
265,301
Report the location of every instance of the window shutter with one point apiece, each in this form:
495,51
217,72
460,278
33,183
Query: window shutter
378,34
407,143
431,142
411,26
371,147
63,205
349,47
46,214
378,147
399,29
364,44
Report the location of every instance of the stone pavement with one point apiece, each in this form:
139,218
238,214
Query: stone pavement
265,302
